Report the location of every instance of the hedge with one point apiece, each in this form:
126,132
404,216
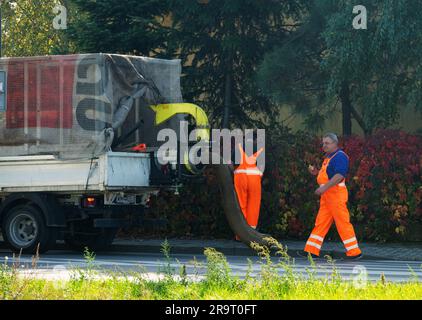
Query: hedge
384,183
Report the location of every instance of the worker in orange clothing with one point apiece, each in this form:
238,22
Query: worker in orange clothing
333,202
247,183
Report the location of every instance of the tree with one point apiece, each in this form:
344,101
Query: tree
115,26
290,74
221,43
27,28
370,72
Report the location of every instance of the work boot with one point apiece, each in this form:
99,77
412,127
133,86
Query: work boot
353,258
304,254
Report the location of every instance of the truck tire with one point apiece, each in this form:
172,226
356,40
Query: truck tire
99,240
24,230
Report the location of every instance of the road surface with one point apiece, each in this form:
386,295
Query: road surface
62,264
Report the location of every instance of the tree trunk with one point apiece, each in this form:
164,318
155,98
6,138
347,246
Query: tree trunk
228,91
348,111
346,108
227,100
360,121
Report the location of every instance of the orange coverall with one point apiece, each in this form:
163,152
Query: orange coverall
333,207
247,183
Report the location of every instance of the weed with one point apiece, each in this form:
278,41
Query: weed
218,271
168,270
277,281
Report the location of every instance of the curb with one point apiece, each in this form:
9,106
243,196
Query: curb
237,249
185,249
234,248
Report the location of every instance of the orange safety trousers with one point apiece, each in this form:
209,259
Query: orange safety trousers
247,183
333,207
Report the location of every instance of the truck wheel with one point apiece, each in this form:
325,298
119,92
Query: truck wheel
24,229
99,240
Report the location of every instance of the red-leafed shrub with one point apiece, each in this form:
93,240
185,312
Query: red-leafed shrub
386,185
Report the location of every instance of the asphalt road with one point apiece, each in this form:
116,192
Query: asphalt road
62,264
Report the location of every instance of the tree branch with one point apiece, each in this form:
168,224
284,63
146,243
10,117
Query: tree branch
358,118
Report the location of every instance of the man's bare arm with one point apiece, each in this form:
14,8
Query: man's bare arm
336,179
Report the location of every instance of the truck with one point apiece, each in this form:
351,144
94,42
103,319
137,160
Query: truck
78,148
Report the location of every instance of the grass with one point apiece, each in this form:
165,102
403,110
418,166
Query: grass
217,282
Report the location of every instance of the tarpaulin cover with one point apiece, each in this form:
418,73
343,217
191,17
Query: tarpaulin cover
73,106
